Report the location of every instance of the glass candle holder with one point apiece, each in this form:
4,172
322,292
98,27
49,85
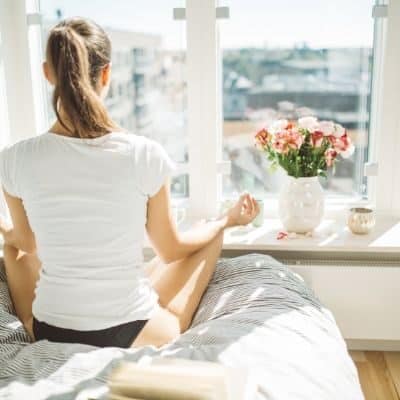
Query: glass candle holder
361,220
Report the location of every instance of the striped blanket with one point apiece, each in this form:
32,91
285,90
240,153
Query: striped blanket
255,314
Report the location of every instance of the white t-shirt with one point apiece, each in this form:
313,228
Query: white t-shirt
86,201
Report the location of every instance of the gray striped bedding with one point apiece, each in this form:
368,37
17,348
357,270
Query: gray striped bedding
255,314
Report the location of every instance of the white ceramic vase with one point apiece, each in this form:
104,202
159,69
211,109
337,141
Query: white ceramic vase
301,204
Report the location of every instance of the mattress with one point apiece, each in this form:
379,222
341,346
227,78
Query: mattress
256,314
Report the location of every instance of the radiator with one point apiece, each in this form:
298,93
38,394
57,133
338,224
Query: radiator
364,296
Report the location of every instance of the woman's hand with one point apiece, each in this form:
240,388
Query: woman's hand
243,212
18,233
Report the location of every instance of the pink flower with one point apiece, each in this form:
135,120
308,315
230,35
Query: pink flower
330,157
326,127
285,141
279,144
295,139
281,235
348,152
278,126
338,131
308,123
340,144
262,137
317,138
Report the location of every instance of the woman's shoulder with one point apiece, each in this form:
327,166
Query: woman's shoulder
15,160
149,153
143,146
140,142
23,145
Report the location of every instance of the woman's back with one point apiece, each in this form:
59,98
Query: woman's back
86,201
80,199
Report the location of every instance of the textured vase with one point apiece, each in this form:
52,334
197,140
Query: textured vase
301,204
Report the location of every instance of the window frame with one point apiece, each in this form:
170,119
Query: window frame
21,50
204,110
4,123
16,52
386,130
378,92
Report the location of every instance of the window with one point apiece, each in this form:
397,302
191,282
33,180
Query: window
148,89
3,102
295,59
203,86
4,127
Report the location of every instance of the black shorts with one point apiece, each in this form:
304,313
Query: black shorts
117,336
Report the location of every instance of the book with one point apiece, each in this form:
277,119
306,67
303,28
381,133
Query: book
179,379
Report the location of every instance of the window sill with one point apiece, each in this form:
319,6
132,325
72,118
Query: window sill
332,236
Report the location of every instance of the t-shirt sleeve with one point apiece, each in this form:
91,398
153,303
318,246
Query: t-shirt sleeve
8,171
158,167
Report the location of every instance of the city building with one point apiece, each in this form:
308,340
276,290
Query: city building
136,71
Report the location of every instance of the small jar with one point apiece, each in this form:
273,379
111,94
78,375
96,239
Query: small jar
361,220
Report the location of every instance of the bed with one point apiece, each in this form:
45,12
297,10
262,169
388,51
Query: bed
256,314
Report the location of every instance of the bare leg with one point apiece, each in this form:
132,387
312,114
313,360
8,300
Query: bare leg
180,286
22,272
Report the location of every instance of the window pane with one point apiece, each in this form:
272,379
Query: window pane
286,59
4,128
4,137
148,92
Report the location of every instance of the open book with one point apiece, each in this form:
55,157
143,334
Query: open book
179,379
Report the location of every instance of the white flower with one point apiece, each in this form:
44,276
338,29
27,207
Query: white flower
326,127
278,126
338,131
348,152
309,123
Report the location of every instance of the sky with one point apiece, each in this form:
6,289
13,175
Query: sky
252,23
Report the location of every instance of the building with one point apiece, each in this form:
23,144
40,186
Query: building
136,72
236,92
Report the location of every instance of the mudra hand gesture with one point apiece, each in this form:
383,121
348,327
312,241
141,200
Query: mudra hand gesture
243,212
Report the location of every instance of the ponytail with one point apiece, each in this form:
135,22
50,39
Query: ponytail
77,50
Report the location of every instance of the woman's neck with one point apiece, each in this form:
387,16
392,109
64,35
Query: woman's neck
59,128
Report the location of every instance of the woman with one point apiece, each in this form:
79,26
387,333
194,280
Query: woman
82,195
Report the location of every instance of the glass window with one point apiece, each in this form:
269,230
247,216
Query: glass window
286,59
4,137
4,128
148,89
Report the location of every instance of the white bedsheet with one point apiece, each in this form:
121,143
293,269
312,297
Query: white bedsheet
256,314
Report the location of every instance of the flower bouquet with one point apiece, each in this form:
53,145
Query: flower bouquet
305,150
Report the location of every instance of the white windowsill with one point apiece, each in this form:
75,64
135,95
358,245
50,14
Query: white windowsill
331,236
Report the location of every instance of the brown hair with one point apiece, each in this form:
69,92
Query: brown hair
77,50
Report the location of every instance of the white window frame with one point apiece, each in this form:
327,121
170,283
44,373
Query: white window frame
25,107
386,128
204,108
4,124
26,112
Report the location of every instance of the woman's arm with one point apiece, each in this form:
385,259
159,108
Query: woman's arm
171,245
20,235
